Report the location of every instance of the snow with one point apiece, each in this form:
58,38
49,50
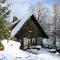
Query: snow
19,25
33,51
52,50
35,46
12,52
47,56
44,54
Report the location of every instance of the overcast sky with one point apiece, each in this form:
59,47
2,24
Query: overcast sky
20,8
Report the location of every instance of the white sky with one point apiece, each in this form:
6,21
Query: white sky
20,8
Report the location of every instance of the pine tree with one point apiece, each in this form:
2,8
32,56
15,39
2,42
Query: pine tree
4,13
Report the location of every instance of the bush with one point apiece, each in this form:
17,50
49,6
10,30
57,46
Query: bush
1,46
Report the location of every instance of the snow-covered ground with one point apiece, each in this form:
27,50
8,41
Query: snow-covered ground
12,52
45,55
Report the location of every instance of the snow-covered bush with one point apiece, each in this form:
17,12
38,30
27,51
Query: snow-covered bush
52,50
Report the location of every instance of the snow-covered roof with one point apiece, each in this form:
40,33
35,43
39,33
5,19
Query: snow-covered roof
19,26
14,24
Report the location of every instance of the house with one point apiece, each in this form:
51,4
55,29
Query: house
28,32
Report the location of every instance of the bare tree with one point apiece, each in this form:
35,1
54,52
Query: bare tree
56,21
41,13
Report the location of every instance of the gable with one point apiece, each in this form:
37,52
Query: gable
31,28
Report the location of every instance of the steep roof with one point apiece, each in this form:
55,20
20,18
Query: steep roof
19,26
22,22
14,24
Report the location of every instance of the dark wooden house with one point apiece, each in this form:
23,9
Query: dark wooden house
28,31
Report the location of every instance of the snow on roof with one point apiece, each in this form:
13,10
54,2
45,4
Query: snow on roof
19,25
14,22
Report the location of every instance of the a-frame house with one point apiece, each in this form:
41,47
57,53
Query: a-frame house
28,31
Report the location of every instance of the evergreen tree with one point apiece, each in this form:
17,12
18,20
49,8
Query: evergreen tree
4,28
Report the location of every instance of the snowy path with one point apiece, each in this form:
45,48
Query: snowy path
12,52
45,55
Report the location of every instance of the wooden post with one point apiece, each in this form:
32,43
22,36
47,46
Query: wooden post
41,42
22,44
31,42
22,41
36,41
